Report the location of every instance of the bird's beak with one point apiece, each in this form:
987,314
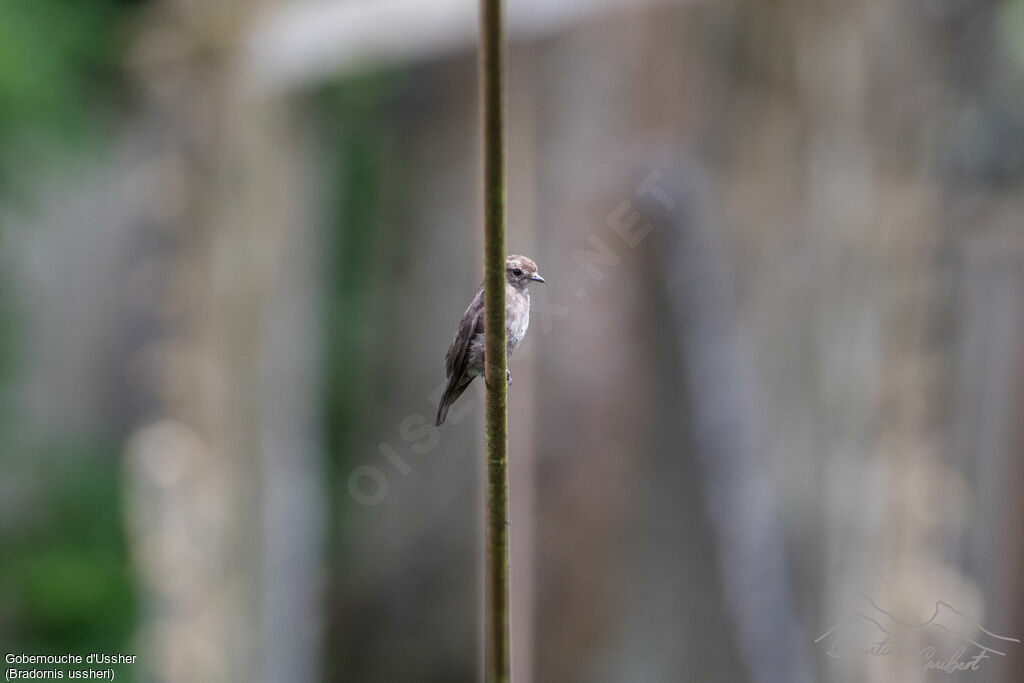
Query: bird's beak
537,278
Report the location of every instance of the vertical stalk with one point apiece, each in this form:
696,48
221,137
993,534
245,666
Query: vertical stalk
492,97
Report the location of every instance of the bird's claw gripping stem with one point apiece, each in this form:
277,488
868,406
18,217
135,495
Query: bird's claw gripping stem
508,376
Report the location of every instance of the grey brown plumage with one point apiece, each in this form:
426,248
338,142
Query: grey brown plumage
465,358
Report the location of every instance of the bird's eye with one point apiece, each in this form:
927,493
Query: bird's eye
518,272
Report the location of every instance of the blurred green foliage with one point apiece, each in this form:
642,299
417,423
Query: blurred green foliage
64,572
64,578
363,156
352,112
58,66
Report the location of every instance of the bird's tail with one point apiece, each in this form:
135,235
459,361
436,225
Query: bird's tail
442,409
450,395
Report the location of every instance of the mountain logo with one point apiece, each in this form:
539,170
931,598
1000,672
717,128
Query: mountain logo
948,641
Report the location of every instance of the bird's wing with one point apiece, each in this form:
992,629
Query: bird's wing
472,324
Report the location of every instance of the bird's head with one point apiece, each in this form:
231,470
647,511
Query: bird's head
521,271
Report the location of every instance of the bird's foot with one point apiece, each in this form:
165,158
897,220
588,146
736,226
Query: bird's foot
508,377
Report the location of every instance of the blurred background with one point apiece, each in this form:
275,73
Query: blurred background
774,379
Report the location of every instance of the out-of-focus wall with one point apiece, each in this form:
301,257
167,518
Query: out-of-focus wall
817,164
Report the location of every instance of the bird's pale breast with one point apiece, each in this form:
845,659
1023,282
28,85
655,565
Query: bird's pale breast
517,317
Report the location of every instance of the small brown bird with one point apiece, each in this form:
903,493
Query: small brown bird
465,358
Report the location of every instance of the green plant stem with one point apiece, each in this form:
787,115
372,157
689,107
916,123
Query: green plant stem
492,96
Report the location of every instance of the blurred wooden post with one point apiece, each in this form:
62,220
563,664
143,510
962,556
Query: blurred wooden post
224,511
